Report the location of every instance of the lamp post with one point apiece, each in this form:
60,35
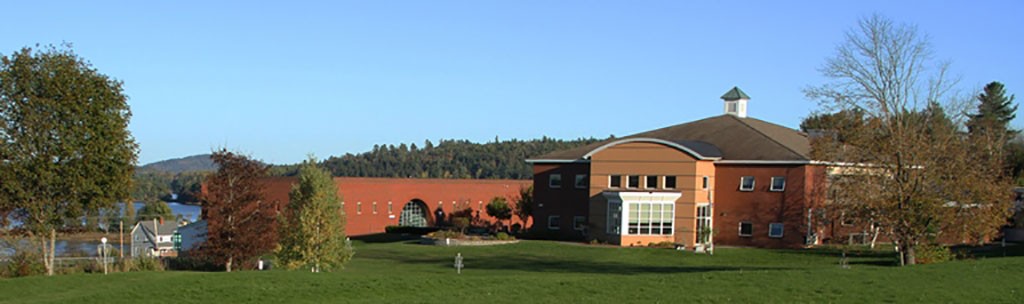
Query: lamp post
104,253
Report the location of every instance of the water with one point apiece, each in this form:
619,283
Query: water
88,247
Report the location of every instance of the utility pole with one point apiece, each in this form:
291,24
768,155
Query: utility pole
120,228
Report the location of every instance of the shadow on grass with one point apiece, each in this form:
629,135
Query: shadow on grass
856,255
552,264
989,251
387,238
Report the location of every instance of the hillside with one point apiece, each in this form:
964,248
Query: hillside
200,162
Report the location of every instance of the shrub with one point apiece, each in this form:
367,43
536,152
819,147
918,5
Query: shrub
445,234
409,230
147,264
24,263
665,244
933,253
501,236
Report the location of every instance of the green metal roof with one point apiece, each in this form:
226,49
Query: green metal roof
735,94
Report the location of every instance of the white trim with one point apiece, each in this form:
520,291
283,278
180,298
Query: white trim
664,182
610,181
627,186
740,229
583,222
551,181
559,227
764,162
781,231
771,185
647,179
653,140
575,181
557,161
753,183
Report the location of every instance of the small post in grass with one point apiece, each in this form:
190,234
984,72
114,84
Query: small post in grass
458,263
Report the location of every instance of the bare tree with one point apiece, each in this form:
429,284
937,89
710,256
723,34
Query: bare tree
905,167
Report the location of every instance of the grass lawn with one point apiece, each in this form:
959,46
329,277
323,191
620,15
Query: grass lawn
549,272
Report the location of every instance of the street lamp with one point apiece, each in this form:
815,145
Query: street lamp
104,253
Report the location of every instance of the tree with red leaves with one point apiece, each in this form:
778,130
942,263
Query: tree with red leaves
240,223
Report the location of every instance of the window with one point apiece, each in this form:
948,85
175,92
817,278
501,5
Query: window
651,182
778,183
747,183
633,181
359,207
374,207
479,205
670,182
614,218
615,181
746,229
731,107
704,223
579,222
704,182
555,181
581,181
775,230
553,222
390,208
650,218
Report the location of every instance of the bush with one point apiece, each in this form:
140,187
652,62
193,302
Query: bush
501,236
24,263
445,234
147,264
933,253
191,263
665,244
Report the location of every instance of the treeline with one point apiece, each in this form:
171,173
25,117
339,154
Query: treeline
154,186
447,159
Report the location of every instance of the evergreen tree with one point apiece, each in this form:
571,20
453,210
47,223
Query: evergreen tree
313,227
499,209
156,210
995,111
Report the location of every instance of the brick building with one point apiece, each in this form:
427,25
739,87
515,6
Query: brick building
371,204
730,179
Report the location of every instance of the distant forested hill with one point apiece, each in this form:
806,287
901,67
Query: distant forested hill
192,163
447,159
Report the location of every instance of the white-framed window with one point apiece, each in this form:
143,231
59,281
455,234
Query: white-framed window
778,184
615,181
746,229
632,181
391,209
555,181
775,230
578,222
650,218
705,182
614,218
581,181
479,205
747,183
553,222
374,207
359,207
703,223
669,182
651,182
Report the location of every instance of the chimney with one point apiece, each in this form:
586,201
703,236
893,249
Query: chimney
736,102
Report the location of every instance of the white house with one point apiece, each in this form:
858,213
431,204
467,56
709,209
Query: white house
153,238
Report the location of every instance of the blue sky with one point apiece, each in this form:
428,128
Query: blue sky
280,80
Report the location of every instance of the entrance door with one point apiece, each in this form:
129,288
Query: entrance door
414,214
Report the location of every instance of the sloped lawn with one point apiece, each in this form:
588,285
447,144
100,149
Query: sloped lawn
550,272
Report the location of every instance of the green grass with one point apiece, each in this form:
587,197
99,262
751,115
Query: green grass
548,272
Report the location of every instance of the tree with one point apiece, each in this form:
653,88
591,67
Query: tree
498,208
990,126
65,148
523,207
240,223
129,214
313,226
906,168
155,210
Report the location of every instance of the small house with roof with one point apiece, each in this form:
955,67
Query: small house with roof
728,179
154,238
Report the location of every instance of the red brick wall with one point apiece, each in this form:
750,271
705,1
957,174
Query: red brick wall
565,202
762,207
399,191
